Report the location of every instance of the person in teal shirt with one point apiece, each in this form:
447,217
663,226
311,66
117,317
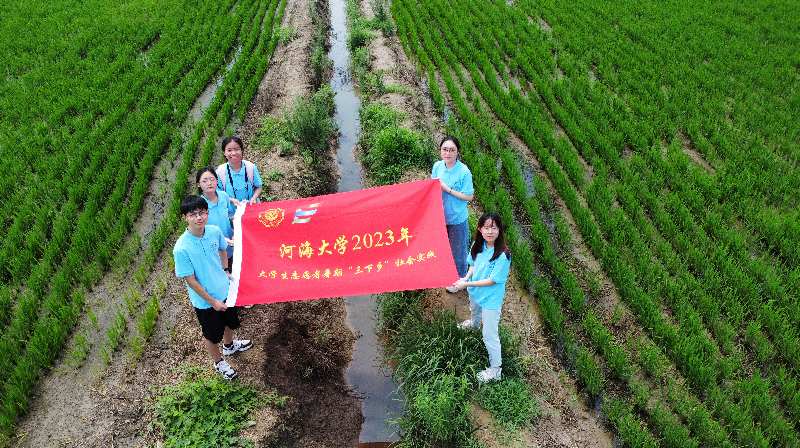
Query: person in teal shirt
238,177
220,205
489,263
457,190
200,258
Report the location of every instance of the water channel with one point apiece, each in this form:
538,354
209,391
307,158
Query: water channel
367,373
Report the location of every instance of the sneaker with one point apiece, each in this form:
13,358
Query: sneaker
451,289
467,325
490,374
239,345
225,370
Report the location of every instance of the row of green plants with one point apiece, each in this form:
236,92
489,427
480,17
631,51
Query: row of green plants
235,93
753,146
492,77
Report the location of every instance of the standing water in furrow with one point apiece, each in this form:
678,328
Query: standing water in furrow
367,372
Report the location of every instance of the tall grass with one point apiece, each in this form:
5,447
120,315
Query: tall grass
436,363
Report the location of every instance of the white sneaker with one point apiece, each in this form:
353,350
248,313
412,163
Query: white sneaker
225,370
452,289
490,374
467,325
238,345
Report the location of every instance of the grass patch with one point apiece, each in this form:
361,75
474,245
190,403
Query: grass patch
309,124
436,363
390,150
206,411
510,402
286,34
145,325
114,336
80,350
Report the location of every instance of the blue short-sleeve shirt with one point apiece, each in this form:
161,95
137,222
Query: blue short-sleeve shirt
240,189
199,256
489,297
219,215
459,178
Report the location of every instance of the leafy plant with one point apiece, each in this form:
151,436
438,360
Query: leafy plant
204,410
509,401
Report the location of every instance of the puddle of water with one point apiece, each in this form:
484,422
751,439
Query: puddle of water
207,96
367,372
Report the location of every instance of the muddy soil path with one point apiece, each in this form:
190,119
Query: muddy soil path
300,349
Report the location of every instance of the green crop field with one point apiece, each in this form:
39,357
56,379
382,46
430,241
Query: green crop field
95,95
669,131
645,154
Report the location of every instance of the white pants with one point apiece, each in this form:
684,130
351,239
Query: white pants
489,321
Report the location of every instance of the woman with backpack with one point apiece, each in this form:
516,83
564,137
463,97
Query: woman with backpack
238,177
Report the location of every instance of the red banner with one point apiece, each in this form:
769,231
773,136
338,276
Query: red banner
382,239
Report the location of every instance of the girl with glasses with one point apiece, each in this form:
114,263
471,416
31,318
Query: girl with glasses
457,190
489,263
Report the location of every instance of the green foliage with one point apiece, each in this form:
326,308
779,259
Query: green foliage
320,63
394,150
145,325
437,363
286,34
80,350
382,17
114,335
437,413
309,124
510,402
273,132
207,411
94,155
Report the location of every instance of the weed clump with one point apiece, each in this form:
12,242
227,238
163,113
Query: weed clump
390,150
206,411
437,363
510,402
310,125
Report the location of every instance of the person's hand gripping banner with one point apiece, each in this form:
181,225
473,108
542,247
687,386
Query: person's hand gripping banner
382,239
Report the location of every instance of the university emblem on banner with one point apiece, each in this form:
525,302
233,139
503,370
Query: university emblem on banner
271,218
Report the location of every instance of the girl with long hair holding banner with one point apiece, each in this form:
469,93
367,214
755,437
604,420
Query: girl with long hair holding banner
457,190
489,263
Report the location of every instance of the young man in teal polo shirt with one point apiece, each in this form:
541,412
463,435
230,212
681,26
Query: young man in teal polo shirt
200,260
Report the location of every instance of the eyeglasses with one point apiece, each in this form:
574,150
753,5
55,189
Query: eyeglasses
449,150
197,214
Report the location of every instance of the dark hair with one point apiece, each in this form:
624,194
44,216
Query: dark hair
499,244
232,138
191,203
205,169
452,139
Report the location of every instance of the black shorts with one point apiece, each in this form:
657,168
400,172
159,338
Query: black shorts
213,322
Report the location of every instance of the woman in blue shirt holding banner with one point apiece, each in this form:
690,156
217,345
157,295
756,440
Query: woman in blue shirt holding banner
489,262
457,190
